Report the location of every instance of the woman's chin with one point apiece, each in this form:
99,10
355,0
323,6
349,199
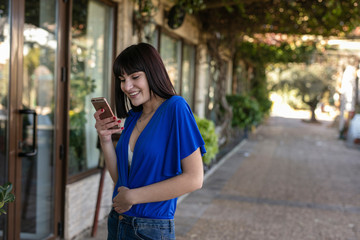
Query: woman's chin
135,103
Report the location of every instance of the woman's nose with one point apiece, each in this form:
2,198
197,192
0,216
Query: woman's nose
128,85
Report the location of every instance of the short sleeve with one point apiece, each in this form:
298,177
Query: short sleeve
187,132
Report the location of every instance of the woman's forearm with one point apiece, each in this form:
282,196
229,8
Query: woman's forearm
190,180
167,189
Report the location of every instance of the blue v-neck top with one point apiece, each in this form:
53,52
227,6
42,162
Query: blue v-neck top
170,136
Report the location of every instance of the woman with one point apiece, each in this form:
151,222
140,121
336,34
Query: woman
158,156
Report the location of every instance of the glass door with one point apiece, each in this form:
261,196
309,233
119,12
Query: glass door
4,97
38,119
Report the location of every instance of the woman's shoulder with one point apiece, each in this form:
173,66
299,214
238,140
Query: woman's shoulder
177,105
177,100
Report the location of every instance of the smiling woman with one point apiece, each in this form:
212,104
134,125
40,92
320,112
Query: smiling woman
135,87
149,175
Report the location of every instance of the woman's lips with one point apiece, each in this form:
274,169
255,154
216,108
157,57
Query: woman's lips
133,94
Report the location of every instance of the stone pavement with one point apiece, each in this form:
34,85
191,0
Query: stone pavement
289,181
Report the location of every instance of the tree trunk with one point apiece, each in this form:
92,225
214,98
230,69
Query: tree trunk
312,104
223,111
313,115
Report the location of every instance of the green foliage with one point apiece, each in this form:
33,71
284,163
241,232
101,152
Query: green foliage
257,55
246,110
191,6
207,130
262,53
259,90
80,88
5,196
309,81
144,10
327,18
143,14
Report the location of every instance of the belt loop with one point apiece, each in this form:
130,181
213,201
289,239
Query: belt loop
133,222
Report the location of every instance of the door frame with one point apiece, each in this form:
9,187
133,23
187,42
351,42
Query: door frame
17,11
17,16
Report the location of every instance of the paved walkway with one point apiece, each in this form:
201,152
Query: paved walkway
290,181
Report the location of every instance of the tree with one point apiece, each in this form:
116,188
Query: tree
310,82
256,56
295,17
228,24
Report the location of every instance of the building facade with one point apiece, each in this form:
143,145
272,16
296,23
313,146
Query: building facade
55,56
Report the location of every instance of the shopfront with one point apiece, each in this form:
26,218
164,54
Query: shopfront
55,55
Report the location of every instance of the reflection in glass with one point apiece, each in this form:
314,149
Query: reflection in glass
4,98
169,51
90,76
39,63
188,73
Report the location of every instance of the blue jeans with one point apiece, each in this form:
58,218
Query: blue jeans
121,226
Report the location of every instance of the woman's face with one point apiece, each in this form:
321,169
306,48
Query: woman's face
136,87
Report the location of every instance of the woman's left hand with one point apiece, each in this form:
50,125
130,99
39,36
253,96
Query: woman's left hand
121,202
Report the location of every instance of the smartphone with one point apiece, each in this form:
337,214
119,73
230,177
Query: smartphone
101,103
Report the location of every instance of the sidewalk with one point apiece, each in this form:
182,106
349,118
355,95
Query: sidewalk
299,182
290,181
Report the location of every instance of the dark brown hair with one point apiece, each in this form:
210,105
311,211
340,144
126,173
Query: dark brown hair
145,58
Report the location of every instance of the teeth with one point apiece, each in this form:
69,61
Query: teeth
132,94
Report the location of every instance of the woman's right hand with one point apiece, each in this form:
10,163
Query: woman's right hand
103,126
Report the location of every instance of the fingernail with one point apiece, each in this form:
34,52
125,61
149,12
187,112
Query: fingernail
119,121
122,128
114,118
102,110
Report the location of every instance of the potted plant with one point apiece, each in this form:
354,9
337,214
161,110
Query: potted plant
246,111
207,130
5,196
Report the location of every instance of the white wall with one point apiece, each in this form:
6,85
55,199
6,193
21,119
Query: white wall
80,204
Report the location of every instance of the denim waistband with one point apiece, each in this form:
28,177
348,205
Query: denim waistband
138,221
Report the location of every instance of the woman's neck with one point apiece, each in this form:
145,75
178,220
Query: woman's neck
152,105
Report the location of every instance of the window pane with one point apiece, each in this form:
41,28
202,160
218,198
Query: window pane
169,51
38,93
188,73
90,76
4,89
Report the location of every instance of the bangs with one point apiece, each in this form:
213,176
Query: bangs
128,62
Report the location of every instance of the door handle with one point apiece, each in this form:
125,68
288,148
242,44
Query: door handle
34,150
